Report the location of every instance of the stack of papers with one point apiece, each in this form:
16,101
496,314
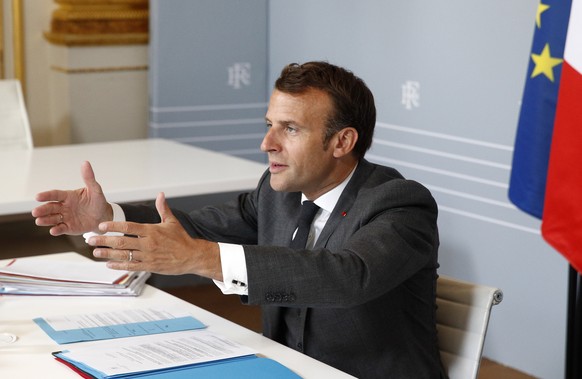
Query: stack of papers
41,275
153,343
187,354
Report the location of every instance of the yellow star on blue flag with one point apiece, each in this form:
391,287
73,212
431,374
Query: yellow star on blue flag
545,63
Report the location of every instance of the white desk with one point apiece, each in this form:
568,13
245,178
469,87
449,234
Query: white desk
30,356
127,170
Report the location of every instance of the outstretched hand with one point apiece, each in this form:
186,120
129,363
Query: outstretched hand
164,248
74,211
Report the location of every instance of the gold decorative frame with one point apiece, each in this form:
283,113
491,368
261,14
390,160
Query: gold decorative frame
18,44
2,69
98,70
17,41
99,22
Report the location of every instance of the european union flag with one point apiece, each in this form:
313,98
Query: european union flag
538,109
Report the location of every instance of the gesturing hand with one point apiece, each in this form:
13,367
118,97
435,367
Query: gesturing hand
164,248
74,211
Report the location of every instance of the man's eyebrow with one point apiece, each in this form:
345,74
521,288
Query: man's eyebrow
284,123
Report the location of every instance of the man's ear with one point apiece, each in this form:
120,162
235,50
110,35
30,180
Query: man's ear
344,142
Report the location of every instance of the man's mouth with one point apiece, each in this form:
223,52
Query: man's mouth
275,167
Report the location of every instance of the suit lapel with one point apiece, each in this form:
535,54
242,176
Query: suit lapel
282,220
345,202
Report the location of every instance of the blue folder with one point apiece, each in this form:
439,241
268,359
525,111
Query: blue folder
246,367
120,330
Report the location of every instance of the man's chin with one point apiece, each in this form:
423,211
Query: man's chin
279,185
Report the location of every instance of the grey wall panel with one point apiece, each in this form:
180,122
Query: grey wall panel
467,62
208,73
447,77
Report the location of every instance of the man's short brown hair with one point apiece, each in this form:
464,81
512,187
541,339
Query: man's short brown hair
352,100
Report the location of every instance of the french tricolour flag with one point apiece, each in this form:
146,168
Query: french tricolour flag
546,177
562,216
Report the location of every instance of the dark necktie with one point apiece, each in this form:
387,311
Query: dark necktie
293,316
308,211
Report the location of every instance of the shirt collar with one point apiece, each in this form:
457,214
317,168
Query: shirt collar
328,200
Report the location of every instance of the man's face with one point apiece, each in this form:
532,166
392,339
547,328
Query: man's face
296,125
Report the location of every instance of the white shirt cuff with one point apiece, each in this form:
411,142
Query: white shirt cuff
234,270
118,215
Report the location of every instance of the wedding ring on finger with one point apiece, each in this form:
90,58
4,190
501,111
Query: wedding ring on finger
61,218
130,256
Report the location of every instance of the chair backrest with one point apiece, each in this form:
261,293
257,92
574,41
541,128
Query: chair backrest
14,124
463,311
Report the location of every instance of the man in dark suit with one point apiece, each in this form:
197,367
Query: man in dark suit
359,294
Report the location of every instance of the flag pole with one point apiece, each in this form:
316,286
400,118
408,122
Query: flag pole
574,332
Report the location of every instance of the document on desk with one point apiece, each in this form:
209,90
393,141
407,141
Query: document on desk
42,269
170,355
116,324
41,275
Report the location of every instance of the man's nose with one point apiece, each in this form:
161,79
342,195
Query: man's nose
269,141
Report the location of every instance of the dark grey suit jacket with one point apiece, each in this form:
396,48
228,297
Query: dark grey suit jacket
363,299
